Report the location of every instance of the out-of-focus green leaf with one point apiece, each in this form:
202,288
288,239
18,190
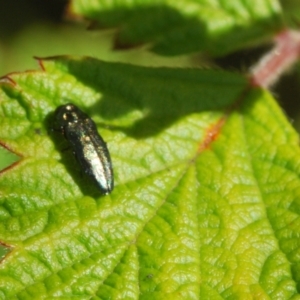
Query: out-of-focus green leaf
43,39
206,202
291,9
179,27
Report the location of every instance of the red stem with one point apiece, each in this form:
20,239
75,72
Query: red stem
271,66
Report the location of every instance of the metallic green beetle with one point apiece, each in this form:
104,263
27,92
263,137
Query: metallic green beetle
88,146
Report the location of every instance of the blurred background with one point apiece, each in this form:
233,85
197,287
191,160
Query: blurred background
31,28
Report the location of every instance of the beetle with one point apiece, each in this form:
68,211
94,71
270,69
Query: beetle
87,144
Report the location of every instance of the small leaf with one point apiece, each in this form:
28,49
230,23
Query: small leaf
180,27
206,202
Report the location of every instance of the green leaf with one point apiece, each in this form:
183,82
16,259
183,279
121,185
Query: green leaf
17,53
291,9
179,27
7,158
206,202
